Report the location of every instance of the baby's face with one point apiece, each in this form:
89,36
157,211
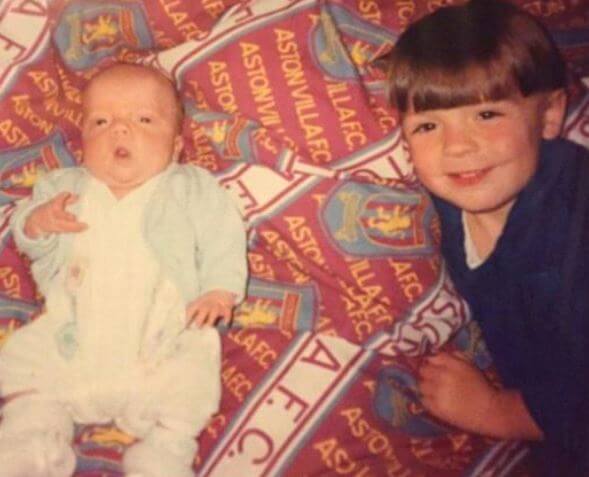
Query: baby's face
130,132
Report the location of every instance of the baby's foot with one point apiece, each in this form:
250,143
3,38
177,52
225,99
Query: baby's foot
59,458
38,455
14,458
145,460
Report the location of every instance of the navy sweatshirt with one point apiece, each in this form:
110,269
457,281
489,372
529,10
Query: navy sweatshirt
531,299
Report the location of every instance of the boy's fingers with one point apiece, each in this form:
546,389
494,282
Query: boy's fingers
433,366
431,378
460,355
427,372
426,389
440,359
447,361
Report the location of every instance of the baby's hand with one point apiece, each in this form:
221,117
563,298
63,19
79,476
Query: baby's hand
456,391
52,217
211,308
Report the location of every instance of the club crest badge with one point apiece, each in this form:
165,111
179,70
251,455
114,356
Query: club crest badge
274,305
90,31
342,42
368,220
20,168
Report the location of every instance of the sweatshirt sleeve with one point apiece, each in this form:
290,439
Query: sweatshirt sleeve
35,249
221,247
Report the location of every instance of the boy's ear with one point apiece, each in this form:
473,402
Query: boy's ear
553,114
178,146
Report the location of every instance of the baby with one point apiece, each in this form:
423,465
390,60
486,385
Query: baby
136,255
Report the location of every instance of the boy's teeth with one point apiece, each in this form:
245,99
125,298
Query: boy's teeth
469,174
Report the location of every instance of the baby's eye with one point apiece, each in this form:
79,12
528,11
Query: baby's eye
100,121
145,119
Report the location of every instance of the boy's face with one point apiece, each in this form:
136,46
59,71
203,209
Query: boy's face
479,157
130,127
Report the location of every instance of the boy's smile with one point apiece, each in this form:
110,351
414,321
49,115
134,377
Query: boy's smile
479,157
469,178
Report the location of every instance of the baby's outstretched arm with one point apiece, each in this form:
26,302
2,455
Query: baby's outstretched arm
210,308
52,217
458,393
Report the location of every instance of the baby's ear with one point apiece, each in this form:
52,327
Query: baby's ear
178,146
553,113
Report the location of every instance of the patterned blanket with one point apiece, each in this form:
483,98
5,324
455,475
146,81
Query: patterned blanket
286,104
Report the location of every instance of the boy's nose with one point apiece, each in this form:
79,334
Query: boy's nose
458,140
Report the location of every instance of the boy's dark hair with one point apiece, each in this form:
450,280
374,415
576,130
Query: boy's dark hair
483,50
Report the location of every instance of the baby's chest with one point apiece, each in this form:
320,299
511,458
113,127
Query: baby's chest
113,245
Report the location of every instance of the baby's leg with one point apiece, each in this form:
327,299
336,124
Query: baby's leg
186,391
35,437
162,453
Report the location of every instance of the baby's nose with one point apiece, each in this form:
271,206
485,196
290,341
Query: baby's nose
120,127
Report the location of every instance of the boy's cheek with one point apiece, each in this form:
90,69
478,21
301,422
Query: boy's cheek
420,153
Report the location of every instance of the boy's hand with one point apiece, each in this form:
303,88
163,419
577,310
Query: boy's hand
52,217
456,392
210,308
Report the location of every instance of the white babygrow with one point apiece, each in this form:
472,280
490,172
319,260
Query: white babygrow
123,354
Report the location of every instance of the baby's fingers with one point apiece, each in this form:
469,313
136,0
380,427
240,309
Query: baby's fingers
62,214
64,221
209,316
198,317
62,200
68,225
224,316
71,199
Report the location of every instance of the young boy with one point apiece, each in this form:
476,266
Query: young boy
136,256
481,92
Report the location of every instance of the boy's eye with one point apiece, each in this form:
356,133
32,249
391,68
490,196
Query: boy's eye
488,114
100,122
423,128
145,119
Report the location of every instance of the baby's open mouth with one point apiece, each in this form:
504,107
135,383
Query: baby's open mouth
122,152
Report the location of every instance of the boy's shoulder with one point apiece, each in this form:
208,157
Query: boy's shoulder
564,149
559,171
